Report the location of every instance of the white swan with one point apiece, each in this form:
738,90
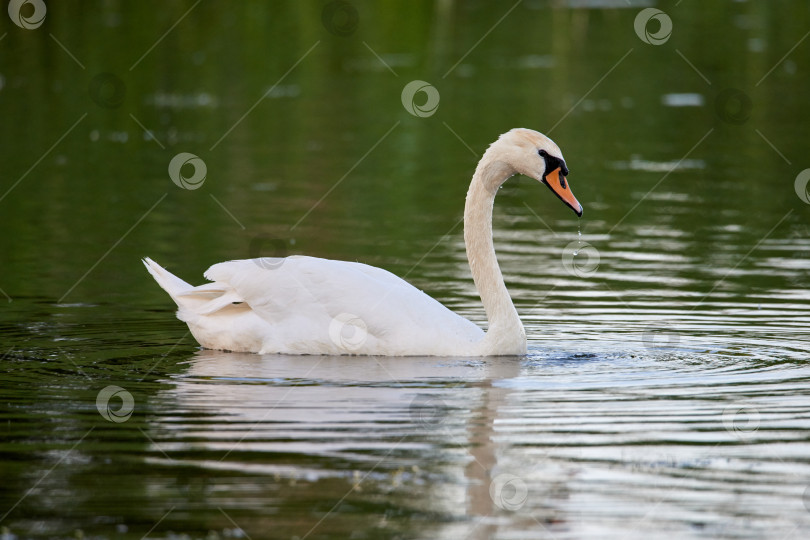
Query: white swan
307,305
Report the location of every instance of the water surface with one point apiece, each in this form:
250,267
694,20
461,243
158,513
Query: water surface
666,387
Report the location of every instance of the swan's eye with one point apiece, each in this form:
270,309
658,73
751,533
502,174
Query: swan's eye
552,163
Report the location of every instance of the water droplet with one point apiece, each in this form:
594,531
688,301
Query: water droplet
576,253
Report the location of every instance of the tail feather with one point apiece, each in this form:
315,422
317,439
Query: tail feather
193,301
168,281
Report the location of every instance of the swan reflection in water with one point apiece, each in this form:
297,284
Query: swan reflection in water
422,430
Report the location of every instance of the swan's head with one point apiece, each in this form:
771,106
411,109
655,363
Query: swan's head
535,155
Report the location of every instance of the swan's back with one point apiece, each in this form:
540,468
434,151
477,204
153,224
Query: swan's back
308,305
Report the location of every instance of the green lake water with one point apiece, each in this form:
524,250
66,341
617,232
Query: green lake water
666,392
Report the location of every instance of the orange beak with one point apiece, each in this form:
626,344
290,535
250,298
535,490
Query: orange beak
559,185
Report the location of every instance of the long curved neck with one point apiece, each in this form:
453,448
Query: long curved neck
505,334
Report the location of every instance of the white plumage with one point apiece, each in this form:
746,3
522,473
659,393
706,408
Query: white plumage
307,305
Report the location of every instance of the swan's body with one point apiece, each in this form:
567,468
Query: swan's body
306,305
298,306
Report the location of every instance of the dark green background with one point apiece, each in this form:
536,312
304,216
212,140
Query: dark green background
716,253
